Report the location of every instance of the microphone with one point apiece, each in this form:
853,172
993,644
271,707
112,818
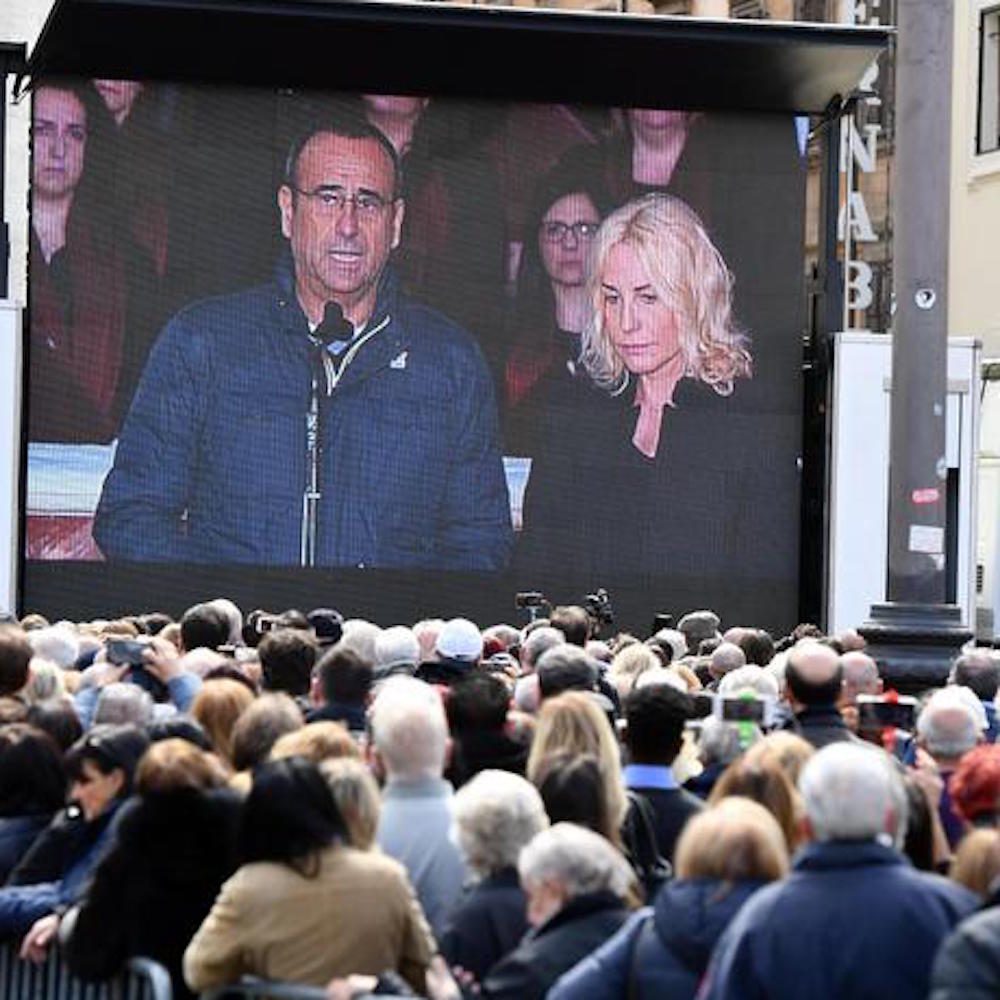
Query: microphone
334,326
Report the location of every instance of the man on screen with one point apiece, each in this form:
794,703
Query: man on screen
214,459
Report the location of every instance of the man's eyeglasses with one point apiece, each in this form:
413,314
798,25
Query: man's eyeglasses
555,232
333,201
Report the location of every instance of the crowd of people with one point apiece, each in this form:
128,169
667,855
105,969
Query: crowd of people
450,811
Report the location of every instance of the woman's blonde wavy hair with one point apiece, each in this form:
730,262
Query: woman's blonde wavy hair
687,271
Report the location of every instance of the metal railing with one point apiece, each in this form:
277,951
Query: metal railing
140,979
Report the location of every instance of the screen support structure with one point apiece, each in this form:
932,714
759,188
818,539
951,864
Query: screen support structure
12,59
826,308
915,635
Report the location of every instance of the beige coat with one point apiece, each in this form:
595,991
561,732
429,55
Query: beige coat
358,914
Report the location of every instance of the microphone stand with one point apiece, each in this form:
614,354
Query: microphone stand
321,380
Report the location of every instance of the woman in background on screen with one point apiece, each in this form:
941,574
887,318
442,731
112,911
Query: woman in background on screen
552,305
93,290
648,467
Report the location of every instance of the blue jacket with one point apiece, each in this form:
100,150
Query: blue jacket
854,921
212,461
22,905
662,951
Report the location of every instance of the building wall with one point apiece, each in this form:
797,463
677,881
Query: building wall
973,296
20,21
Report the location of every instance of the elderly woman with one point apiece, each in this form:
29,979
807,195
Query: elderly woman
575,883
496,815
676,476
724,855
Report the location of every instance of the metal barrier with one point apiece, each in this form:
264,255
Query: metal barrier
251,988
141,979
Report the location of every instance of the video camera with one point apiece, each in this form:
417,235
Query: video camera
598,606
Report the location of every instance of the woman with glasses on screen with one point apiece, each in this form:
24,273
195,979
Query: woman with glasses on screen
656,473
552,304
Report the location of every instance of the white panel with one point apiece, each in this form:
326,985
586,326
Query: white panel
10,449
859,478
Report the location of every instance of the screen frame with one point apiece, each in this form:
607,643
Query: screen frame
804,69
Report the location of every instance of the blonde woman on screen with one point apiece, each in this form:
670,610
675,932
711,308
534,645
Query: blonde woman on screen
658,460
661,296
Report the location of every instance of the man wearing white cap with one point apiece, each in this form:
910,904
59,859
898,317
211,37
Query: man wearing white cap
459,648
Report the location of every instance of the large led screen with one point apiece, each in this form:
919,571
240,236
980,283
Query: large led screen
455,348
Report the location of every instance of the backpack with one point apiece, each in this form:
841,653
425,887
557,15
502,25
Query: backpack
639,838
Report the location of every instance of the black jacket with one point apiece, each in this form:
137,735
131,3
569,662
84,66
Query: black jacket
151,893
478,750
486,924
968,965
582,925
822,725
671,809
64,841
17,834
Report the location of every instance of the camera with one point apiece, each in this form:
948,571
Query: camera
266,623
598,606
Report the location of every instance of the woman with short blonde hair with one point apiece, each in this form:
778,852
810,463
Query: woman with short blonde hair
356,794
216,708
317,741
764,779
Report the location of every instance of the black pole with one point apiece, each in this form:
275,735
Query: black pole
11,61
825,319
915,635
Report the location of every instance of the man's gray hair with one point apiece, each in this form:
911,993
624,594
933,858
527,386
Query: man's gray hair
727,656
121,702
496,815
231,612
578,859
749,678
359,637
948,726
58,644
409,729
852,792
396,648
539,641
978,669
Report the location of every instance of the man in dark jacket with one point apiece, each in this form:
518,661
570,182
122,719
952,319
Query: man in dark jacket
216,459
854,919
655,717
814,678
